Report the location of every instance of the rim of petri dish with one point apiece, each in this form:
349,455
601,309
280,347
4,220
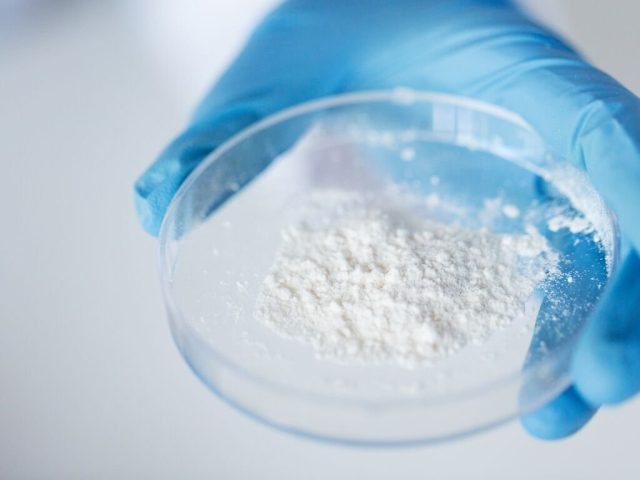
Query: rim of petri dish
188,340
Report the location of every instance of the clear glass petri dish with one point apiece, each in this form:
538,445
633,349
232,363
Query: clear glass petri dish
447,158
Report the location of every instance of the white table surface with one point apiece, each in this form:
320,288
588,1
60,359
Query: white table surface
91,385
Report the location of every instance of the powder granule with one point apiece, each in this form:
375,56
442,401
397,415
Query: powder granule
373,286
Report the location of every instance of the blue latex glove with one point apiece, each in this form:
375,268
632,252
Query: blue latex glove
484,49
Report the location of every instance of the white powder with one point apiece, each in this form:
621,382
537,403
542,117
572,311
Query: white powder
365,285
575,224
511,211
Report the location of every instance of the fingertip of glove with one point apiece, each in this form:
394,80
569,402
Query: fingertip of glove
560,418
150,218
607,370
156,187
606,365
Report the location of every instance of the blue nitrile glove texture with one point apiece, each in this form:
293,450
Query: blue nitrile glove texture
489,50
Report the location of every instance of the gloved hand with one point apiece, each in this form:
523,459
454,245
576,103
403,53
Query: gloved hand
485,49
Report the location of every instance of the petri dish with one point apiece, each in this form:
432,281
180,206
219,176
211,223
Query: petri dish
443,157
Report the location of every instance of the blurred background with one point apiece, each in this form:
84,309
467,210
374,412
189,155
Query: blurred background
91,385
